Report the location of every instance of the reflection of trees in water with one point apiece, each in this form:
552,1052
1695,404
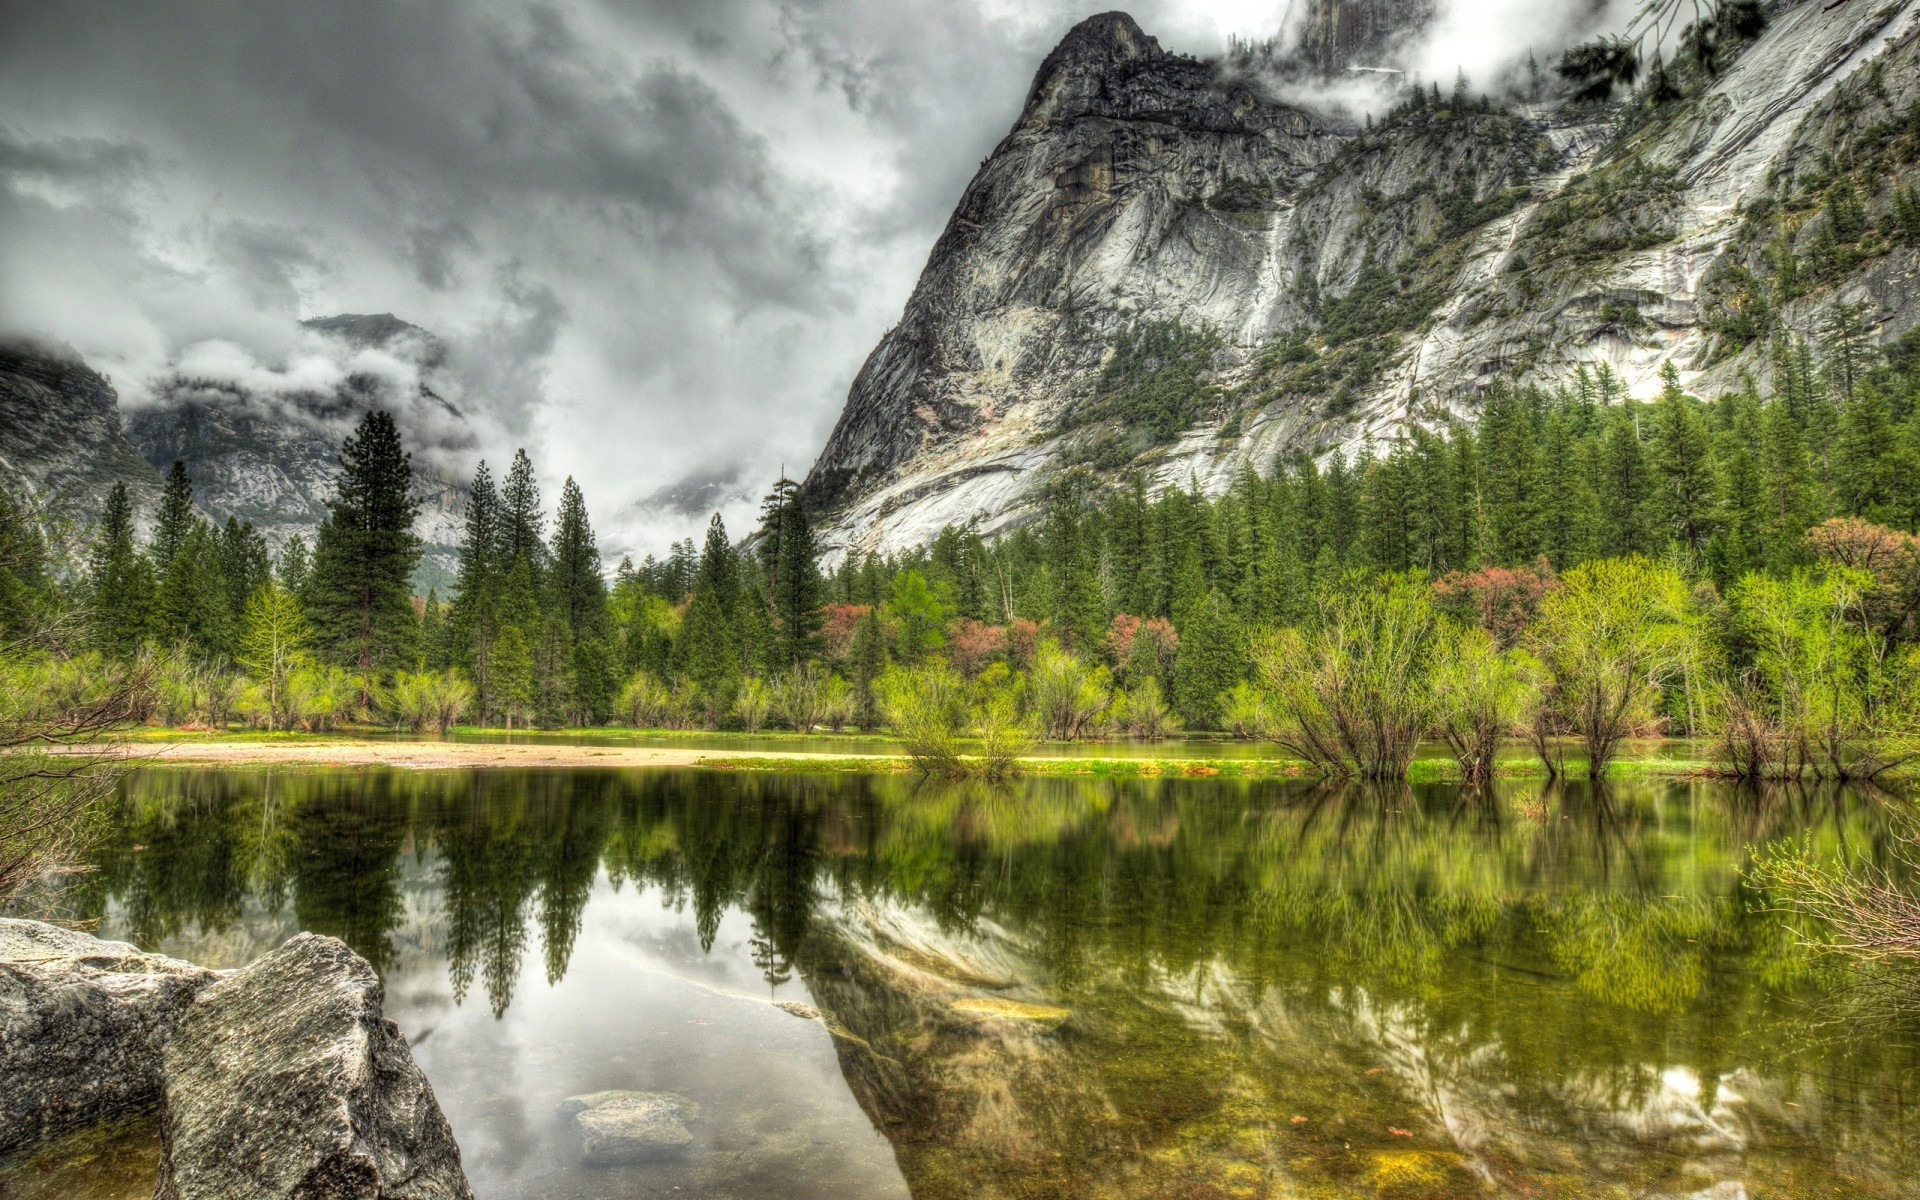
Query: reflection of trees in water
1515,960
1630,892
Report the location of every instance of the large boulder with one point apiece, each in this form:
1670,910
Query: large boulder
84,1025
285,1081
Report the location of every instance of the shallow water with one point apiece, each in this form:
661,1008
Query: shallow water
1066,987
1201,746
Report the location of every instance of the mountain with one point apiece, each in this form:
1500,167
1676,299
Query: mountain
60,434
272,459
1166,268
266,458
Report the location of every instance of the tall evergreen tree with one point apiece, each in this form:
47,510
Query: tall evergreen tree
791,561
119,581
191,608
579,602
365,553
1624,484
473,620
520,518
1212,657
1510,478
245,563
175,519
1683,468
26,587
719,570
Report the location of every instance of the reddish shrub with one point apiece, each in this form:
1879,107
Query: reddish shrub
1022,638
1889,555
842,620
1501,600
971,645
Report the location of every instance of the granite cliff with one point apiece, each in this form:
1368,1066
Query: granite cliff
66,439
1165,268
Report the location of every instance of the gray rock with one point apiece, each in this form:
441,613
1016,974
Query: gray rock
83,1026
284,1080
630,1127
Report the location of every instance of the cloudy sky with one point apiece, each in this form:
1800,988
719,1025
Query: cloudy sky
658,235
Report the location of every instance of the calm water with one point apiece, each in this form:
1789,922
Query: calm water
1264,989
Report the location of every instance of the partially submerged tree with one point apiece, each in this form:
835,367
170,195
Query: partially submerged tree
1611,637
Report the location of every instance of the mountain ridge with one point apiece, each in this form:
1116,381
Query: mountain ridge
1321,286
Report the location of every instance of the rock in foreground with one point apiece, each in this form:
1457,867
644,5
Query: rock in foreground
84,1025
284,1080
630,1127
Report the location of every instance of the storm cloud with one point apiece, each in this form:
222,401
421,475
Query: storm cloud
657,236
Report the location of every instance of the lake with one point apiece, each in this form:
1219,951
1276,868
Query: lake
1171,988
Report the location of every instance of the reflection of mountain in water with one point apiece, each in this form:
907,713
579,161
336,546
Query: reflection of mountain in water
1134,989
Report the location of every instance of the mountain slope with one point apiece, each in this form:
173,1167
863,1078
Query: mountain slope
62,440
1163,269
266,458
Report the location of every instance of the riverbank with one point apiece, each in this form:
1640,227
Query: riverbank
1656,759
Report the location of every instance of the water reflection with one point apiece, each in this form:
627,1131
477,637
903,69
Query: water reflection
1069,987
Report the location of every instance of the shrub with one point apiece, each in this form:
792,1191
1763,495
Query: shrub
1068,696
752,703
1610,638
800,697
1143,712
925,705
1480,695
646,702
420,700
1351,697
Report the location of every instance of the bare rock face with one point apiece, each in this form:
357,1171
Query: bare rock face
284,1080
1335,285
83,1028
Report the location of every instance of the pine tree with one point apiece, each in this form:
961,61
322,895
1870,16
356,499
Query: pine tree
1866,463
579,603
245,563
1625,487
707,652
473,622
293,566
1789,507
175,519
1683,468
513,684
26,588
869,656
191,607
1510,478
364,557
520,518
119,581
435,652
791,560
1212,658
718,573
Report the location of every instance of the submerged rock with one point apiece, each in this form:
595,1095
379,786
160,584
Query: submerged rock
629,1127
987,1008
806,1012
83,1028
284,1080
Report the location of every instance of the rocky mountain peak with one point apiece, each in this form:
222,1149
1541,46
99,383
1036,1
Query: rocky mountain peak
1073,79
381,331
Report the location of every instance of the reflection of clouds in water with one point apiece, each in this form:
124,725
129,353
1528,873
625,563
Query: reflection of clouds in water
1271,951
